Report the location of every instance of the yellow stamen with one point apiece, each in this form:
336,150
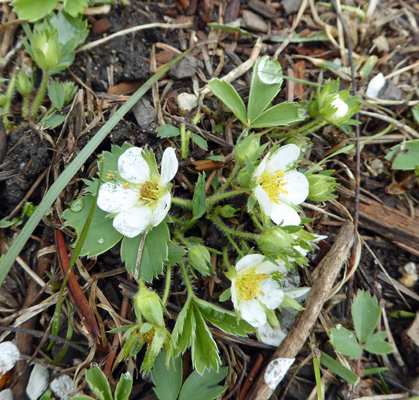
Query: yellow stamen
273,184
149,336
149,191
248,285
125,185
110,176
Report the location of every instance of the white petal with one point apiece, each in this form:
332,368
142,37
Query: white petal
272,295
299,294
248,262
113,198
38,382
261,167
133,167
252,312
271,336
341,107
268,267
9,356
283,158
169,166
285,214
133,221
234,293
301,250
297,187
162,208
264,200
375,85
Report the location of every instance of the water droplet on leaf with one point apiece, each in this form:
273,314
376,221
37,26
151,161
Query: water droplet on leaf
77,205
217,315
101,240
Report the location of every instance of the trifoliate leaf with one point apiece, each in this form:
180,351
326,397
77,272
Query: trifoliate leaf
167,131
167,379
345,342
376,344
199,206
365,313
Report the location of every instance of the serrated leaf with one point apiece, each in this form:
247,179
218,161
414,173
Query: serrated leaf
406,159
204,387
52,121
200,141
228,95
75,7
101,235
167,131
175,254
167,379
56,94
204,349
376,344
200,259
124,387
98,383
184,330
280,115
153,255
199,207
33,10
365,314
345,342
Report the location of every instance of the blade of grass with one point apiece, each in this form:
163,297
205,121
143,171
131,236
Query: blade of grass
337,368
316,367
59,185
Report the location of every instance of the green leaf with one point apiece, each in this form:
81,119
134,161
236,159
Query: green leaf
153,255
415,112
204,349
175,254
227,211
376,344
228,95
56,93
406,159
75,7
200,141
265,85
98,383
280,115
167,379
229,28
365,313
225,295
33,9
291,303
124,387
199,207
345,342
200,259
339,369
52,121
184,330
203,387
101,235
167,131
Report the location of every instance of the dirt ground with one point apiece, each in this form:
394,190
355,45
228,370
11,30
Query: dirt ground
32,159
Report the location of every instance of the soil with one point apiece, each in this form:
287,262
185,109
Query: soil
126,60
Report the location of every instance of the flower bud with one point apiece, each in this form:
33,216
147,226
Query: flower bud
200,259
249,148
147,305
45,46
274,241
227,211
321,186
23,84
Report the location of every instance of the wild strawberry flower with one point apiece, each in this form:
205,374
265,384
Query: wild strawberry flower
138,195
255,288
278,187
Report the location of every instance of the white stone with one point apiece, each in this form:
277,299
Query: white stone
9,355
276,371
186,102
6,394
375,85
38,382
63,387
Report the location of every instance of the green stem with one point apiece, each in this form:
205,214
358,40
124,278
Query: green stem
25,108
167,285
304,128
233,243
218,197
187,279
50,111
226,229
182,202
8,104
229,179
256,222
304,82
184,141
182,239
41,93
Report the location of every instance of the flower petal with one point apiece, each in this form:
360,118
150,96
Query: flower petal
283,158
297,187
271,336
162,208
252,312
248,262
272,295
133,167
113,198
268,267
133,221
234,293
169,166
261,167
299,294
285,214
264,200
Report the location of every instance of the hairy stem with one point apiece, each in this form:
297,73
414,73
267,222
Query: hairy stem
226,229
167,284
229,179
41,93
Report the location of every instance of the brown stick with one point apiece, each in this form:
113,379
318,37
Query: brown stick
328,269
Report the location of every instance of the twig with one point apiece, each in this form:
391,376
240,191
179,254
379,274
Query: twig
328,269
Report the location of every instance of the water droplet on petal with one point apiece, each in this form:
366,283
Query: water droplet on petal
101,240
77,205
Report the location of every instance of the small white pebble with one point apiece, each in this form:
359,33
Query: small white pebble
63,386
375,85
38,382
9,355
410,268
186,102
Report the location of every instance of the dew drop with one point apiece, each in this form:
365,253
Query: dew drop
77,205
101,240
217,315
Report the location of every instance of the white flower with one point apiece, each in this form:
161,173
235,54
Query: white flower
312,243
271,335
278,187
253,288
341,108
142,199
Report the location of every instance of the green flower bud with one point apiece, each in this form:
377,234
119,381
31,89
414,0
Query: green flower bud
249,148
321,186
23,84
227,211
45,46
200,260
275,241
147,305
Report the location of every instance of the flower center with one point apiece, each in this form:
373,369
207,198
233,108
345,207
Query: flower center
149,191
149,336
273,184
248,285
